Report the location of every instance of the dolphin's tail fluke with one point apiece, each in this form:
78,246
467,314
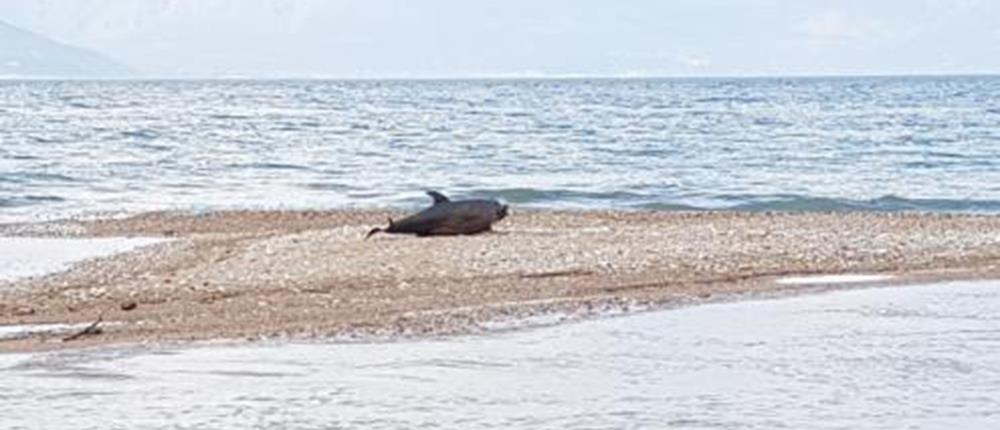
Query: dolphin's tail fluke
379,230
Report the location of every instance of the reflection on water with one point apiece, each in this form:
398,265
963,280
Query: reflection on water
913,357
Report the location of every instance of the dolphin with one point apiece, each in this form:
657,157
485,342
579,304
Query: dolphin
446,217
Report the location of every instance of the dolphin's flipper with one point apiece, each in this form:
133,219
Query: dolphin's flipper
438,197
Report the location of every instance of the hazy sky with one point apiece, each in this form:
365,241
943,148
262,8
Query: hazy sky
454,38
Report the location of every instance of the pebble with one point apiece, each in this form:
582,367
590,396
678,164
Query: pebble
284,258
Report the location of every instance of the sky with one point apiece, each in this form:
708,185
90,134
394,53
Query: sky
515,38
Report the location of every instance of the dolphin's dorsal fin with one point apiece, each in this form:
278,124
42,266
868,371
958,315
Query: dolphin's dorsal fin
438,197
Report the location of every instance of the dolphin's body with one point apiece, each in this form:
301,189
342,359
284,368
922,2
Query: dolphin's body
446,217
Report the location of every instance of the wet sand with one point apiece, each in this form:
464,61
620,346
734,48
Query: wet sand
264,274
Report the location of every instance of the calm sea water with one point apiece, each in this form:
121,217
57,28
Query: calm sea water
900,358
754,144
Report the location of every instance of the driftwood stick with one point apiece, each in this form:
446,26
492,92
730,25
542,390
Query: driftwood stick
91,329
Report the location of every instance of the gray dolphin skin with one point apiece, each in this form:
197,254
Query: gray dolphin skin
446,217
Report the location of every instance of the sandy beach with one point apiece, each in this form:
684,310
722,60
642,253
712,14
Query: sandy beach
309,274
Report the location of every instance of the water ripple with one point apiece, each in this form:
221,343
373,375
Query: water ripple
753,144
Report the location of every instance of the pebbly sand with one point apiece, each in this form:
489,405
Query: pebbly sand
309,274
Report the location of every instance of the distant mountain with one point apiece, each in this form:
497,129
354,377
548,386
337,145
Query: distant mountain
521,38
26,54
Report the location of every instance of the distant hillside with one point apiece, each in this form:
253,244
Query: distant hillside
25,54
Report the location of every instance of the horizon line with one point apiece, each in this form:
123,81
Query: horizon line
500,77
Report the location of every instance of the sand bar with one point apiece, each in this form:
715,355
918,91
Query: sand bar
264,274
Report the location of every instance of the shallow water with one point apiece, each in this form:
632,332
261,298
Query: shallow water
924,357
753,144
23,331
843,278
22,257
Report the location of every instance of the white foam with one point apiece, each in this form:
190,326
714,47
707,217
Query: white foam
22,257
847,278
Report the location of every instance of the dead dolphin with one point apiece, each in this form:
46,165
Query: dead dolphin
446,217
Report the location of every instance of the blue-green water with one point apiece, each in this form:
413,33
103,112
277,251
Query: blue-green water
930,143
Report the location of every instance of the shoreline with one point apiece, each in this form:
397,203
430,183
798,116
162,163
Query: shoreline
308,274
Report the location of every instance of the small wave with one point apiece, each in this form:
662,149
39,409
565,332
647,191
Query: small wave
945,154
295,125
81,105
40,139
538,195
772,122
140,134
628,200
731,99
185,185
922,165
287,126
28,200
227,116
327,186
154,147
29,177
269,166
640,152
889,203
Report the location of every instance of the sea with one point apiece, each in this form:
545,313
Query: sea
94,148
919,356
